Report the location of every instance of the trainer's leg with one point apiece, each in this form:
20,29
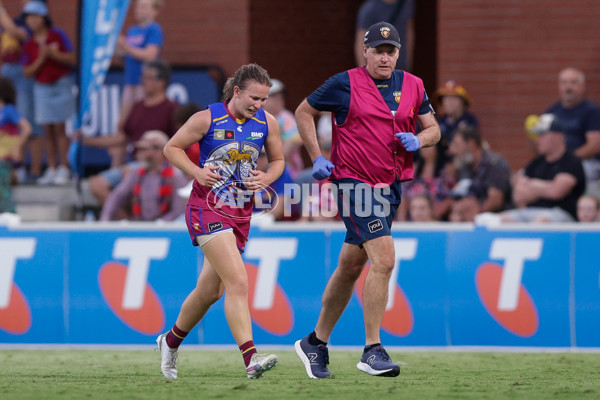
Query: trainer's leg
375,291
225,258
208,290
339,289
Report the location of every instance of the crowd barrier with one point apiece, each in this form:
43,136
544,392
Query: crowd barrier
452,285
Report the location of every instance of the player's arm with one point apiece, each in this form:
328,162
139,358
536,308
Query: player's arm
192,131
274,150
305,118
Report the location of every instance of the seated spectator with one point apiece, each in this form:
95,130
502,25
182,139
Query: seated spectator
588,208
149,192
420,209
275,105
483,177
452,102
548,189
154,112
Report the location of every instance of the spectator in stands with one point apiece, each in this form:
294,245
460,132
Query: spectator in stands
399,13
452,102
483,177
154,112
420,209
548,189
49,57
581,121
292,145
148,193
142,43
588,208
14,131
15,33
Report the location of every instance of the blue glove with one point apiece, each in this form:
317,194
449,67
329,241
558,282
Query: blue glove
322,168
409,140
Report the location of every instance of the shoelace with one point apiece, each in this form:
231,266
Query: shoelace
382,353
324,352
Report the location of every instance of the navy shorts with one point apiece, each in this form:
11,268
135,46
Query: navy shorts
367,212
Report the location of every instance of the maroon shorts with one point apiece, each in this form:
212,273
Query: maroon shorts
203,221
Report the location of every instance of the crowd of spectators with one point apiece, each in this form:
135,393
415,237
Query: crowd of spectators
457,180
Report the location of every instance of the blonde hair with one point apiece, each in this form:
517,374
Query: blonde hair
246,73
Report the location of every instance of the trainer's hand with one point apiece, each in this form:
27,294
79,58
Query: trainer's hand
322,168
409,140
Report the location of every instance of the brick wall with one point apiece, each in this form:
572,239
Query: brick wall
507,53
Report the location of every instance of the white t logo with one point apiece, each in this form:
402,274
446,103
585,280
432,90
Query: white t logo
139,252
514,252
404,249
10,251
269,252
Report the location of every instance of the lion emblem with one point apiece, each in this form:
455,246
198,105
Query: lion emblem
235,156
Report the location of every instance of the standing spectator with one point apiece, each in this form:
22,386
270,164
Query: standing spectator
483,177
581,121
48,58
399,13
149,192
219,210
588,208
14,131
373,143
142,43
292,145
15,34
453,103
154,112
548,189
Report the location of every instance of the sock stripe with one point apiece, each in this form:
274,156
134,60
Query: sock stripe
247,350
176,335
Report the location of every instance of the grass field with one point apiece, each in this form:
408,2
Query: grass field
218,374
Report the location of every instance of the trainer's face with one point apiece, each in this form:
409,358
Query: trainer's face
246,102
381,60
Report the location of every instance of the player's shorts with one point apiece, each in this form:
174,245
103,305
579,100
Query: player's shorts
201,220
367,212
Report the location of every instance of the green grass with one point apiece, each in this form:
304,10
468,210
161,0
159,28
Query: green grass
215,374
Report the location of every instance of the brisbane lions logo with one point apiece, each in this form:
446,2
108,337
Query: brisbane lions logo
235,156
385,31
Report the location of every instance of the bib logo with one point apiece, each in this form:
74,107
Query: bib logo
398,318
500,289
269,306
125,288
15,314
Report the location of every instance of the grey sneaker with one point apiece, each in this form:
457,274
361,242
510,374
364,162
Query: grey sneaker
168,365
314,358
259,364
377,362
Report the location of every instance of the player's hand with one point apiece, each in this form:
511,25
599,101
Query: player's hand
322,168
257,181
409,140
207,176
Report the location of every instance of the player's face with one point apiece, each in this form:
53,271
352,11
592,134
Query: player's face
381,60
246,102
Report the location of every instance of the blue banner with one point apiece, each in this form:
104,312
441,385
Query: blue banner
101,22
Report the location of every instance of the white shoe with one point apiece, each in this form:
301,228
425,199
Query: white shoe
62,176
168,365
48,177
259,364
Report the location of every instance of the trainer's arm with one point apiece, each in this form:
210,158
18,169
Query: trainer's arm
305,118
430,133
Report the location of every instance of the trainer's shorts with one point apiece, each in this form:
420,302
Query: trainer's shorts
204,221
367,212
